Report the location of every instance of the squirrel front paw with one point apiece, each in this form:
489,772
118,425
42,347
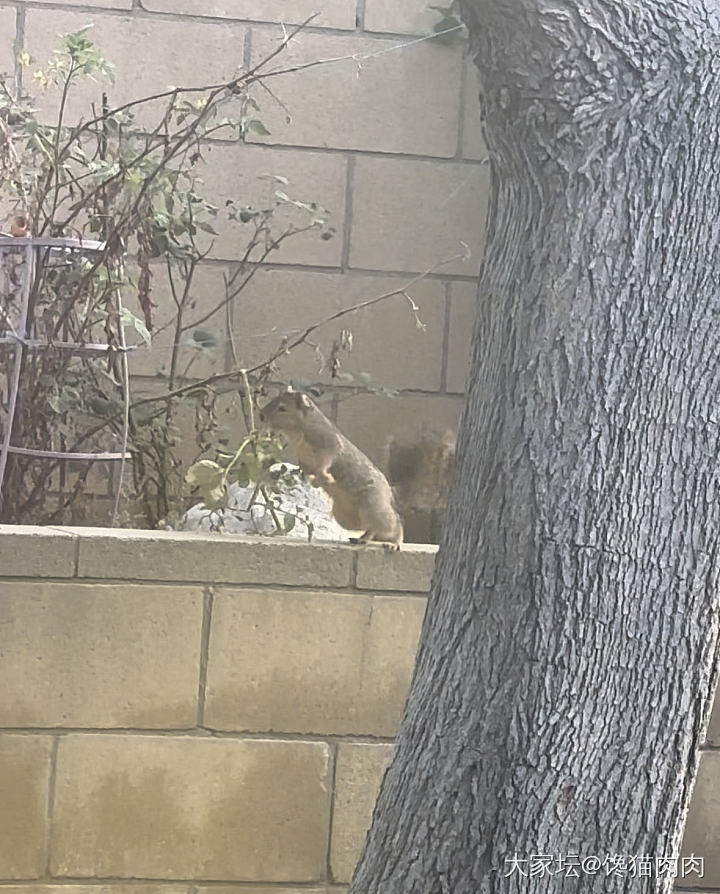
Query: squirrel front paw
320,479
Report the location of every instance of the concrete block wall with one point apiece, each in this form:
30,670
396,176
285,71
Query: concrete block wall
387,140
182,714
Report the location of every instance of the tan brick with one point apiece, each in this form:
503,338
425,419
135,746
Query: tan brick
369,420
713,733
206,293
37,888
165,807
387,341
409,215
345,667
254,889
83,655
169,555
27,551
359,772
702,830
24,783
400,17
184,54
338,14
473,142
99,4
241,172
462,320
403,101
409,570
7,36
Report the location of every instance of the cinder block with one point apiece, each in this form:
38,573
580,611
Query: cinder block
462,320
359,772
184,54
400,17
95,4
254,889
338,14
388,342
81,655
713,732
244,173
411,215
172,556
37,888
409,570
7,36
189,808
376,98
345,665
24,783
702,830
196,356
29,551
473,141
370,420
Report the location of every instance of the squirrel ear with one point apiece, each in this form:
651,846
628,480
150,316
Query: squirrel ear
302,400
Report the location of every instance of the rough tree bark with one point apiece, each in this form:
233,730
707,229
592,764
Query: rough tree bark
566,666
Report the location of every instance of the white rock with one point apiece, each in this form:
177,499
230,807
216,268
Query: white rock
302,501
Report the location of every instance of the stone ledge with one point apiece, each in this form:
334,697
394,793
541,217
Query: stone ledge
123,554
409,570
33,551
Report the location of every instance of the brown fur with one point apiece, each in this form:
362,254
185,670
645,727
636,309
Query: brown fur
362,498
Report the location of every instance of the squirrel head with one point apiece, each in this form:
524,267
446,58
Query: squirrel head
287,412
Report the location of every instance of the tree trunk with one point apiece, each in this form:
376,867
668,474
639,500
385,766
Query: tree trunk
566,667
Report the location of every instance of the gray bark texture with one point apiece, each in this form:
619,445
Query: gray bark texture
567,661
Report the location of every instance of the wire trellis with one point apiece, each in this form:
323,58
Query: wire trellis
16,278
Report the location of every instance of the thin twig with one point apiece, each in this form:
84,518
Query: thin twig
286,348
358,58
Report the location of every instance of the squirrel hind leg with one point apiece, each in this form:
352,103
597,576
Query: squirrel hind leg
381,539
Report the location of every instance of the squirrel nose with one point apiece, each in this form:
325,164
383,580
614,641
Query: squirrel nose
262,418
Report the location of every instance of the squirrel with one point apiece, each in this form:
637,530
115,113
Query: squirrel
420,470
362,498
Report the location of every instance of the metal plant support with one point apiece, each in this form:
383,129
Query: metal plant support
19,260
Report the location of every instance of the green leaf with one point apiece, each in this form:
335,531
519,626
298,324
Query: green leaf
204,338
205,227
256,126
129,319
99,406
207,477
204,473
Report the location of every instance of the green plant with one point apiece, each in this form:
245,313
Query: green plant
131,177
136,186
